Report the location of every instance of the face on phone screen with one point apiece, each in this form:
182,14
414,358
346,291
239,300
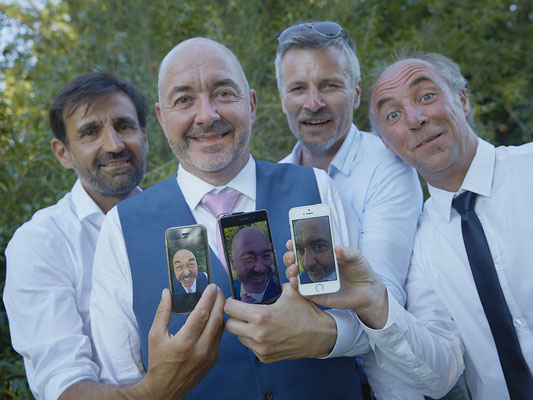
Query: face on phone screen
314,250
188,266
252,261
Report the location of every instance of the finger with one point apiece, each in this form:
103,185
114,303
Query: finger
239,328
195,324
241,310
162,315
293,282
347,254
216,319
291,271
289,258
289,245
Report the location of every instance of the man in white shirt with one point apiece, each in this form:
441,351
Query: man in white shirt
319,81
206,110
99,126
421,110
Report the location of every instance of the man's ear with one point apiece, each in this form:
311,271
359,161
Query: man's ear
160,118
283,109
357,99
463,97
253,105
61,152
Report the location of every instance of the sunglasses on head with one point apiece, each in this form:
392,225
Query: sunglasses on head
323,28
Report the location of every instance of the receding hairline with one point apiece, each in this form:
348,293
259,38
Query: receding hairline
183,251
238,235
194,43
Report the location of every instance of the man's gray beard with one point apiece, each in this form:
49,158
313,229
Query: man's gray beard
110,186
214,163
317,149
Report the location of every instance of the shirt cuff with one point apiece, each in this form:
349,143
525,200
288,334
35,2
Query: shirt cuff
395,324
351,340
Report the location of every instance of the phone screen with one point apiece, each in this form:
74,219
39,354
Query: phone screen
189,270
250,257
314,249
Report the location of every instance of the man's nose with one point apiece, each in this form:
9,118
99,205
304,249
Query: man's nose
313,100
112,141
207,113
308,258
415,117
259,267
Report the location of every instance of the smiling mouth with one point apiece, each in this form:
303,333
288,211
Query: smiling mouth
116,163
430,139
188,279
208,138
314,122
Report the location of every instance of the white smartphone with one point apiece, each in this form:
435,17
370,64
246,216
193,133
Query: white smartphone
312,237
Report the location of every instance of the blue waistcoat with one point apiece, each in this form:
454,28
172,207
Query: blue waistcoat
237,374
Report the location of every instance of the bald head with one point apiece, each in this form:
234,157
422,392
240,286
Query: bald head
252,258
185,267
186,52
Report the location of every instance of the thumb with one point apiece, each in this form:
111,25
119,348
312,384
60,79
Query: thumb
162,314
349,255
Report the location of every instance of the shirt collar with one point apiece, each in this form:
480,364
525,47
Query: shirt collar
478,179
344,159
295,156
194,188
85,205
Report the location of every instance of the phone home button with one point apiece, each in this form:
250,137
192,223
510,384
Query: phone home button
319,288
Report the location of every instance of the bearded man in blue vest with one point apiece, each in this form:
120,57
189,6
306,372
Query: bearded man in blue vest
206,110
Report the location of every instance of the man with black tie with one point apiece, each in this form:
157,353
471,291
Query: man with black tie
470,270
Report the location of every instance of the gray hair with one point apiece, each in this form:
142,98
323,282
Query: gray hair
309,39
447,68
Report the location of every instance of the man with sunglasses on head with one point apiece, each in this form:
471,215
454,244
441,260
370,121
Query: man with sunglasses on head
319,82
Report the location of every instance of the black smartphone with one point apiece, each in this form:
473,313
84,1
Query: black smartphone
189,269
250,257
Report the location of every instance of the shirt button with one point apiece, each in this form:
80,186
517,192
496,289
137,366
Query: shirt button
268,396
517,323
497,267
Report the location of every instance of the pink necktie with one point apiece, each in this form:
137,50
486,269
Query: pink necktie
219,205
189,290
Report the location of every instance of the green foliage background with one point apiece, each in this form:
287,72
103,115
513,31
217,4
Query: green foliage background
52,41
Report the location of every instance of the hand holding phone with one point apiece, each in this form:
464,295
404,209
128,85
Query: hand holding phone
312,236
250,257
189,269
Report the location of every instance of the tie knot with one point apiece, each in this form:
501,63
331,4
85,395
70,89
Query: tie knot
221,203
464,202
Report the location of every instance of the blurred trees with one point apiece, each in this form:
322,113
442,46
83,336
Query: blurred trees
49,42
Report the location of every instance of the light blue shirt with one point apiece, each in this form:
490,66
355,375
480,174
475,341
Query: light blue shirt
385,194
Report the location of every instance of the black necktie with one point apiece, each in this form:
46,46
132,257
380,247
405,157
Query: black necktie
516,371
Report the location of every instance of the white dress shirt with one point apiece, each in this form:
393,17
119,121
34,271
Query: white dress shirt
386,197
385,194
440,285
48,280
114,324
